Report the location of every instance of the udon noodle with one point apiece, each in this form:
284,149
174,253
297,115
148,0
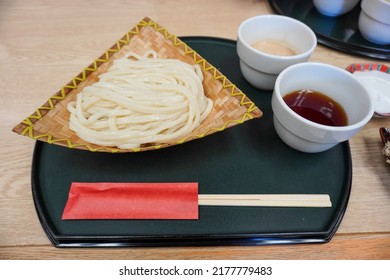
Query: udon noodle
140,100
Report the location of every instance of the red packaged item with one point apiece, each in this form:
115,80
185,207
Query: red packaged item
132,201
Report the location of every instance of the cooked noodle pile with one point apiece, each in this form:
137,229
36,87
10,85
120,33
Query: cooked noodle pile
140,100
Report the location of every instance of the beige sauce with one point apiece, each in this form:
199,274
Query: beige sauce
274,47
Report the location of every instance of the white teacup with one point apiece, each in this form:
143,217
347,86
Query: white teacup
334,8
261,68
340,85
374,21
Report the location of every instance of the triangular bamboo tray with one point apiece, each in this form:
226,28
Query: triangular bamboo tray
49,123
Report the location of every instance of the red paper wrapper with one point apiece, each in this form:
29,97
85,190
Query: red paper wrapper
132,201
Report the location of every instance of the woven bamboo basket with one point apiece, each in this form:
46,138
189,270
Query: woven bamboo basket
50,122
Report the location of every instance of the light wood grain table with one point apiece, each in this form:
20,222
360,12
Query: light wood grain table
43,44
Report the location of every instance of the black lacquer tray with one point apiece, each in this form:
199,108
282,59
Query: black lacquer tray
248,158
340,33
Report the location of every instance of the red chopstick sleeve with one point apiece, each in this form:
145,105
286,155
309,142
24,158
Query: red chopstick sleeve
132,201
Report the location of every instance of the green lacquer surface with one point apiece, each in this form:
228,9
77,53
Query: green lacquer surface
248,158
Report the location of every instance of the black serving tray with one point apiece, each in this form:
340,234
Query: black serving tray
248,158
340,33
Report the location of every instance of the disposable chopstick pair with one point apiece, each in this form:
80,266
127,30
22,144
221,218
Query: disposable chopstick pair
112,200
275,200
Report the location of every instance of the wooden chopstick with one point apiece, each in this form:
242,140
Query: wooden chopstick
275,200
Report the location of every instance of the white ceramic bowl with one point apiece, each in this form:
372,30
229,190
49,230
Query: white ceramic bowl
340,85
334,8
376,79
260,68
374,21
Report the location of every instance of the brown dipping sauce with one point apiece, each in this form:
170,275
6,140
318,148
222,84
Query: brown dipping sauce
316,107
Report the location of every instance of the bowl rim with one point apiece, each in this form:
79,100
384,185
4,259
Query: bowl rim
272,56
310,123
380,6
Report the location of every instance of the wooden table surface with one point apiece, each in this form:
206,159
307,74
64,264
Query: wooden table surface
44,44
